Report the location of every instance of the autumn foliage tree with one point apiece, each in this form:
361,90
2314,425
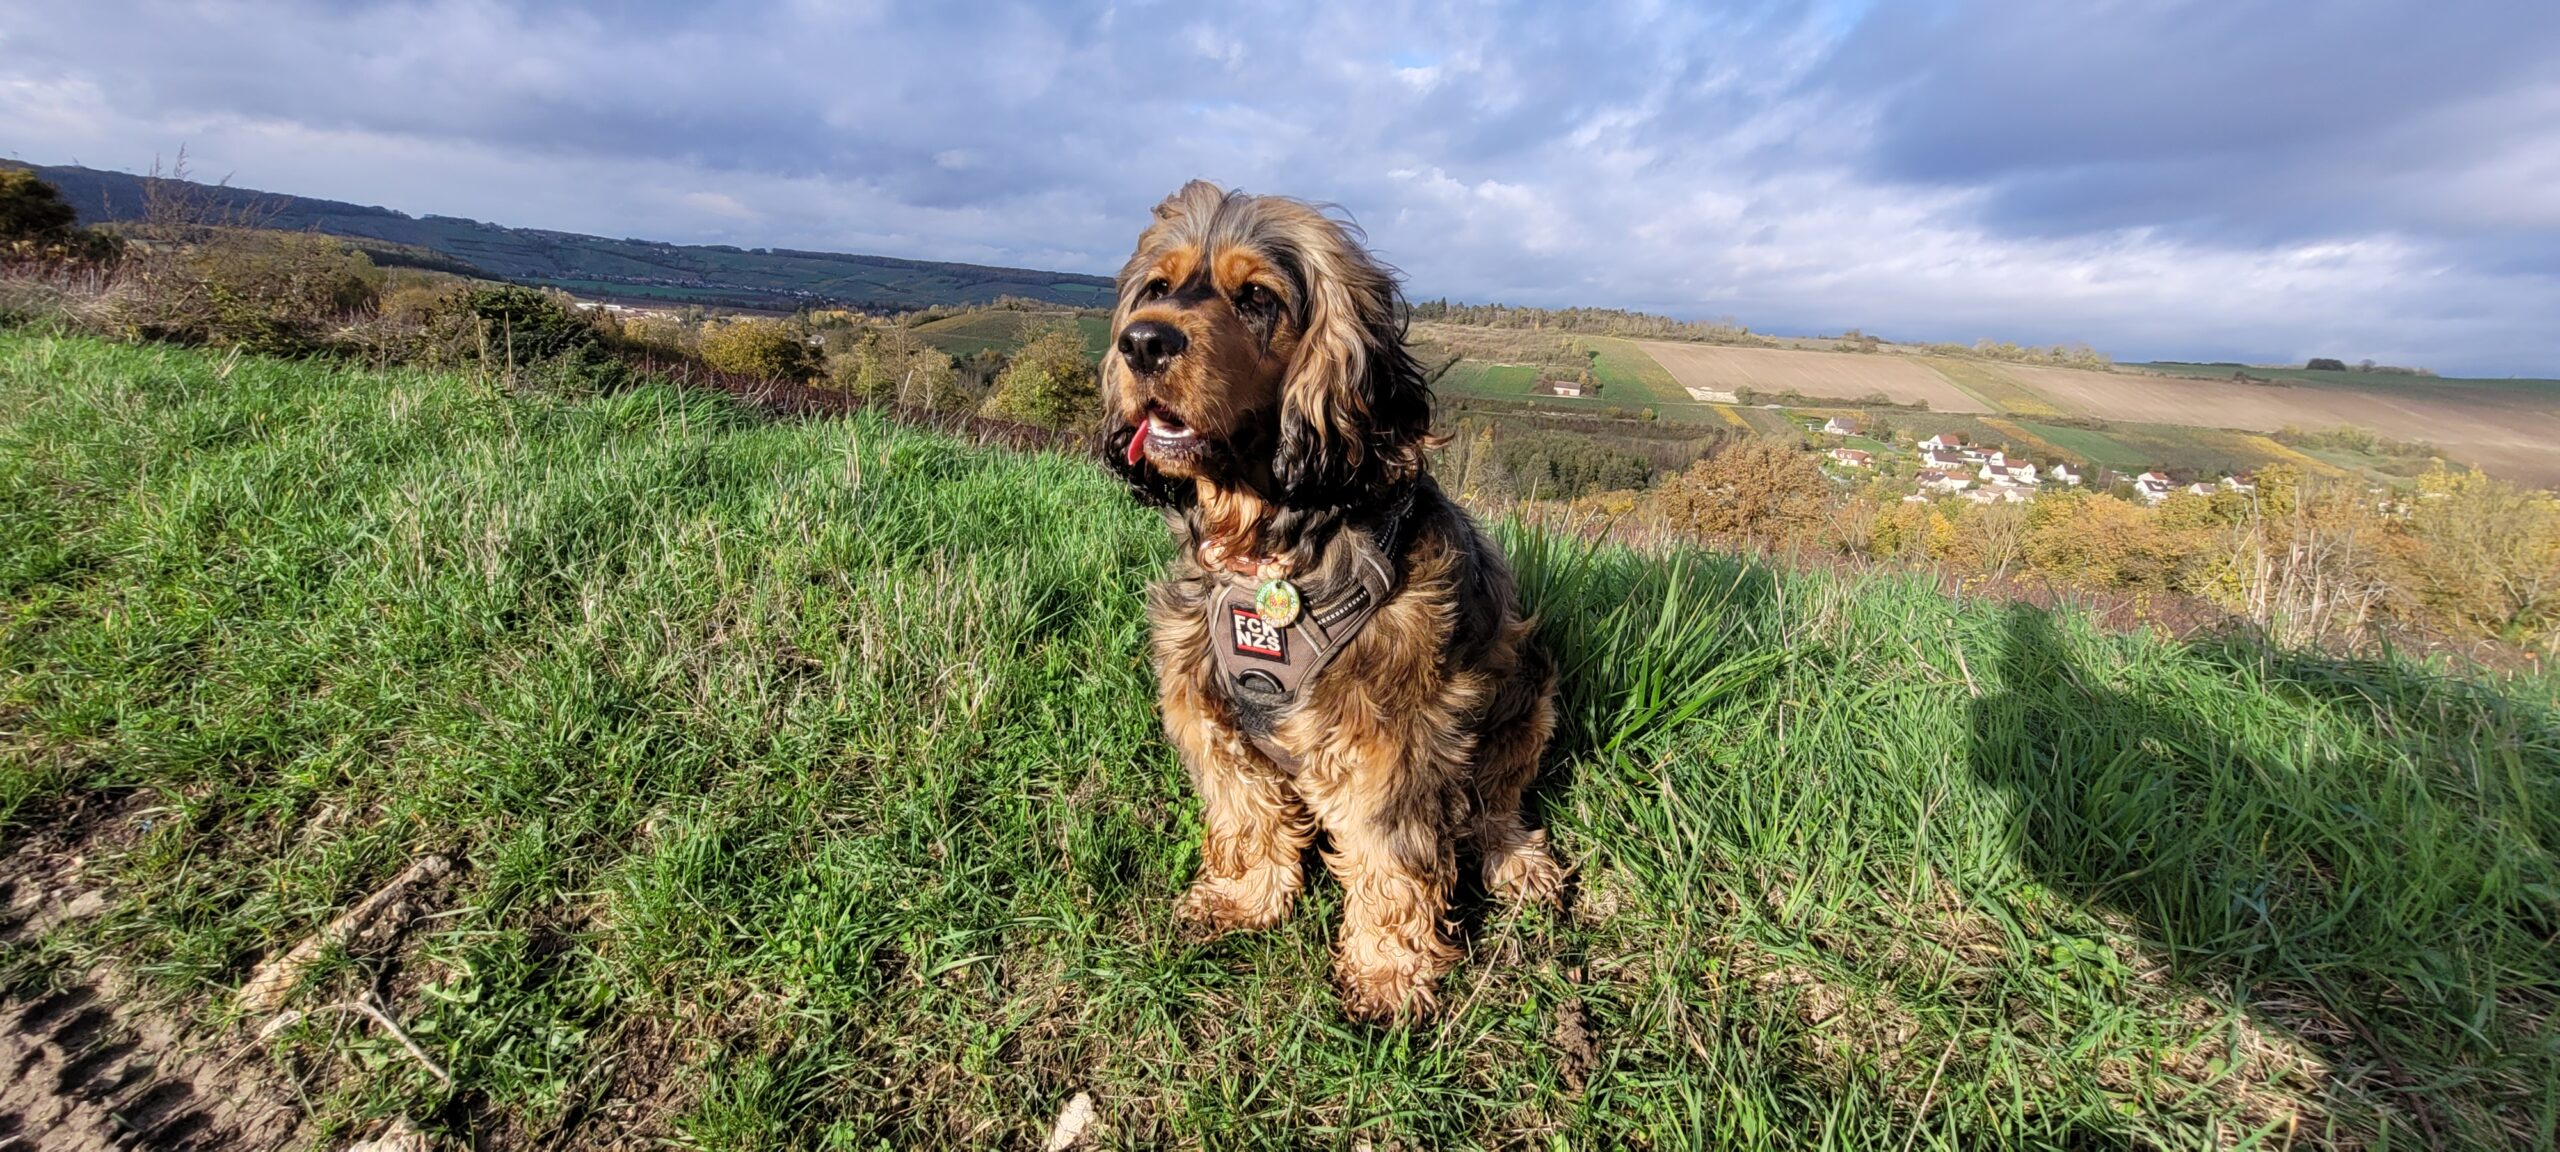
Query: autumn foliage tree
1764,490
1049,383
769,349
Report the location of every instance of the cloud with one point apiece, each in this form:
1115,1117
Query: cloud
2226,179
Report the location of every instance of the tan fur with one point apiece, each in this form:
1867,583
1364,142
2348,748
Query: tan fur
1422,736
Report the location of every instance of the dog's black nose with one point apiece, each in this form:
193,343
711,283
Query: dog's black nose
1149,345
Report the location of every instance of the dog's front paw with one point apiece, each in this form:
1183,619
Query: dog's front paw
1385,995
1525,873
1216,906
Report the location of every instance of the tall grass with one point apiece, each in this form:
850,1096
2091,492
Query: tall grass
809,794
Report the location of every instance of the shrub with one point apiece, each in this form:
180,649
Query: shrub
1561,466
522,332
1762,490
767,349
895,366
663,335
2483,557
272,292
1048,383
37,224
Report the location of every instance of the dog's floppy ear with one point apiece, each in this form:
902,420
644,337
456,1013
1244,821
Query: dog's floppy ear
1355,411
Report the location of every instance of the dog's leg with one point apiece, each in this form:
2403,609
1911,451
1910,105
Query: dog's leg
1393,851
1517,866
1255,827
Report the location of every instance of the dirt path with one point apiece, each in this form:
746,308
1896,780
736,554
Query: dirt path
80,1072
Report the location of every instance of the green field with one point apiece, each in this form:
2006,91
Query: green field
2097,449
1631,378
1506,381
808,792
1004,331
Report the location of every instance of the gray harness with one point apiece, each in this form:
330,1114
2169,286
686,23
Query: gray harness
1265,668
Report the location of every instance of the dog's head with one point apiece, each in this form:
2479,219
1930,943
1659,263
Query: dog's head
1258,346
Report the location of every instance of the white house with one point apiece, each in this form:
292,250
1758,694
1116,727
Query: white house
2067,474
2200,489
1840,426
2152,487
1850,457
1998,495
2245,485
1946,481
1941,458
1565,388
1943,441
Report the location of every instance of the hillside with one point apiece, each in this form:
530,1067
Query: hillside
594,266
804,789
2131,420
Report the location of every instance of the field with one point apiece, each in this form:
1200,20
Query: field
1507,381
1827,374
2351,378
806,791
2510,427
2512,432
1004,331
1987,383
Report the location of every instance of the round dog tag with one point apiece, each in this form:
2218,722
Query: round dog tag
1277,601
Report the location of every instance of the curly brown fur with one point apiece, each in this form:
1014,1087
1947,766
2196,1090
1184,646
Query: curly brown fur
1288,431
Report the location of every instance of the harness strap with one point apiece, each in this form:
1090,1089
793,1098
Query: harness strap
1264,668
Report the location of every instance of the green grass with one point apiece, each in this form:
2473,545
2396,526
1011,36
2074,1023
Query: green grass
809,793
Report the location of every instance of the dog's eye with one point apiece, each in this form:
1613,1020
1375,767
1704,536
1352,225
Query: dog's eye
1154,288
1255,297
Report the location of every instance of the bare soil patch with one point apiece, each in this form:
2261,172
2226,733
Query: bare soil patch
2513,433
1841,375
86,1072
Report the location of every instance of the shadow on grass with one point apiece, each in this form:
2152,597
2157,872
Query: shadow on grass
2357,853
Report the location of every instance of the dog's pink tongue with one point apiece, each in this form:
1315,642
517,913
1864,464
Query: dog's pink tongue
1137,445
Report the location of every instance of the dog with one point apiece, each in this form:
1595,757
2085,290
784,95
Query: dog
1338,648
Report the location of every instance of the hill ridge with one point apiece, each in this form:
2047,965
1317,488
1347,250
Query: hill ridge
722,275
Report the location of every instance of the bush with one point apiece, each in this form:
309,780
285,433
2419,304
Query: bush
1763,490
1561,466
1049,383
522,332
282,293
766,349
36,223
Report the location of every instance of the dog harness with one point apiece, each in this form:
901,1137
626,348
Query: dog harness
1265,666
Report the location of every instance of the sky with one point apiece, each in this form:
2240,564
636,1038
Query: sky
2227,179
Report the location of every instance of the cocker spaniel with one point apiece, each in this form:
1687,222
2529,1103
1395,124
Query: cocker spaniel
1338,648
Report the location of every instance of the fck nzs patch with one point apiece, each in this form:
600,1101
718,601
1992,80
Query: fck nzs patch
1254,636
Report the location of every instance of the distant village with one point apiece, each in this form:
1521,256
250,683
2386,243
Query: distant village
1951,468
